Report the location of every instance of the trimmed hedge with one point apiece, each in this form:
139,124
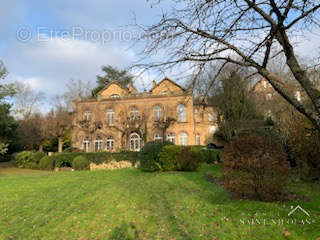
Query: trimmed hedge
80,163
46,163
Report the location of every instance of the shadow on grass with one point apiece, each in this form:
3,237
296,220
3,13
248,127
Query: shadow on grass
125,231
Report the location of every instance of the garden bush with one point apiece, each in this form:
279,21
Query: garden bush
37,156
179,158
46,163
80,163
28,159
210,155
149,155
189,159
255,167
169,157
61,159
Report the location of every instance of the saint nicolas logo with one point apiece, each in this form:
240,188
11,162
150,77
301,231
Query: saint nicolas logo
298,209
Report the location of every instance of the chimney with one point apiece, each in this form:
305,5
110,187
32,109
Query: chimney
154,83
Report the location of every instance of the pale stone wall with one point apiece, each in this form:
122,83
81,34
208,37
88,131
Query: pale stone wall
197,120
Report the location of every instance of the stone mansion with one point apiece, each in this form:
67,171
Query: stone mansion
124,119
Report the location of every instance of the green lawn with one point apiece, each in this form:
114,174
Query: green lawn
130,204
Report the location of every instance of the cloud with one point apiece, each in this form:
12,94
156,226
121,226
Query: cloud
48,66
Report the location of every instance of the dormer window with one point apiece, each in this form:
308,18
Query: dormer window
87,116
264,84
298,95
115,96
269,96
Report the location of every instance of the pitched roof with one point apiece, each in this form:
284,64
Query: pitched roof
113,82
166,79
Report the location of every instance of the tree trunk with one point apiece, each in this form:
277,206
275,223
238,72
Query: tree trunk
40,147
60,144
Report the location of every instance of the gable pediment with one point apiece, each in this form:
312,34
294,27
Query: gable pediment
111,90
167,86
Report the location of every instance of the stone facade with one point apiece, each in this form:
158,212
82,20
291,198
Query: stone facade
269,101
122,118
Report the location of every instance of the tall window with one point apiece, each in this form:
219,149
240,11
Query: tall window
110,117
110,143
87,115
86,144
183,139
182,113
98,144
198,139
157,137
134,113
157,112
171,138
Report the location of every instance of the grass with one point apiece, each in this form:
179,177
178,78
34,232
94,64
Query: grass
130,204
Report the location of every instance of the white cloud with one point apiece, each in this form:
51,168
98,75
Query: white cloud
48,66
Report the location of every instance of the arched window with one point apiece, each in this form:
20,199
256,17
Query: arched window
134,113
182,113
110,117
98,144
114,96
135,142
198,139
157,137
171,138
183,139
157,113
86,144
87,116
110,143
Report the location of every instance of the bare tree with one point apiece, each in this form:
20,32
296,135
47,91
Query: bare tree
76,88
26,100
243,33
57,124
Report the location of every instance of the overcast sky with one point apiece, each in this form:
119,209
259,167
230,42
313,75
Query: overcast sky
73,39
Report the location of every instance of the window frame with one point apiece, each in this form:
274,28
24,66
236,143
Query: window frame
98,144
86,144
182,113
183,139
110,114
171,137
157,113
110,143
